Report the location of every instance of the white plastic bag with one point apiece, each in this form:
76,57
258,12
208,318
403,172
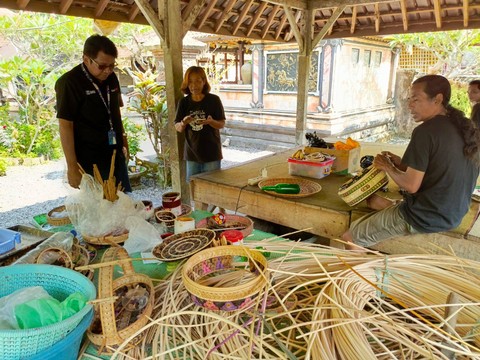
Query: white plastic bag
95,216
142,236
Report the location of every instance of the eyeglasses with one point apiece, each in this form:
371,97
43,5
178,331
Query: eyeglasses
103,67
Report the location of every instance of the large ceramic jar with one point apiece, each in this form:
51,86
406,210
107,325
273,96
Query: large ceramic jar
246,73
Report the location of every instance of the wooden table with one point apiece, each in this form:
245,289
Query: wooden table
324,214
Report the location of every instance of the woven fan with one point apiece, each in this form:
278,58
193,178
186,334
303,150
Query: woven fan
182,245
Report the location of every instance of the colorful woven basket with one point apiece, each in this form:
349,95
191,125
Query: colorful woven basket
59,282
104,331
359,188
222,259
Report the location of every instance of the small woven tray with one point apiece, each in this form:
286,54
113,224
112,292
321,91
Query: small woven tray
244,223
223,259
182,245
58,221
106,240
307,187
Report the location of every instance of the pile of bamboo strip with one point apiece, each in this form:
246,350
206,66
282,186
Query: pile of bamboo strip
327,304
110,188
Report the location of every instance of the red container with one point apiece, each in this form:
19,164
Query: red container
234,237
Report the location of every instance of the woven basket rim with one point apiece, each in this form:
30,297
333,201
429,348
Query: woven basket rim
209,234
225,294
106,240
245,220
35,338
307,187
54,221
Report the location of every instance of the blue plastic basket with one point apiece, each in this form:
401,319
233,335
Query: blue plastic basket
59,282
8,239
68,347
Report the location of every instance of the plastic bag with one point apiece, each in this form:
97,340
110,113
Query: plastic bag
8,303
46,311
62,240
142,236
93,215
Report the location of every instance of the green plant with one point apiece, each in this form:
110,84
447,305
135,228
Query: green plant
459,98
148,99
134,135
3,167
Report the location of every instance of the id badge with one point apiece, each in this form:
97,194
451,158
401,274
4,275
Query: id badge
112,139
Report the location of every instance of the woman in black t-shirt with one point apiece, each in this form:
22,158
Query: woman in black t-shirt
200,116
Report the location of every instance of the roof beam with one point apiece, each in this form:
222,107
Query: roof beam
258,13
280,27
354,19
64,6
296,4
191,12
22,4
466,14
328,25
437,12
269,21
100,8
242,15
326,4
403,8
134,10
153,19
206,14
377,18
294,27
225,13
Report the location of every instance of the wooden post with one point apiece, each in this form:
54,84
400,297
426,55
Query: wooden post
172,48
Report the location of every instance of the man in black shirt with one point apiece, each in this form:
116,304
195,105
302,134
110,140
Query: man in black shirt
88,111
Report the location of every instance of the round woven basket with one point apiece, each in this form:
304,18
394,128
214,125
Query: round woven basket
182,245
186,210
243,223
110,336
222,259
358,189
307,187
106,240
58,221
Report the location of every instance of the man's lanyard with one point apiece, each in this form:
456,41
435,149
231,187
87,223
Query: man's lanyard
106,103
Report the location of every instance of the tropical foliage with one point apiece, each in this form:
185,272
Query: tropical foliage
457,52
148,99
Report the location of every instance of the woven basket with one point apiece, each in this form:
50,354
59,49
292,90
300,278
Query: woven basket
307,187
358,189
58,282
106,240
182,245
186,210
230,222
58,221
220,259
105,318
